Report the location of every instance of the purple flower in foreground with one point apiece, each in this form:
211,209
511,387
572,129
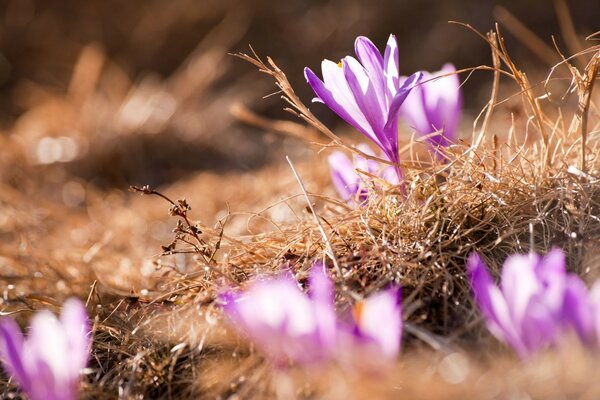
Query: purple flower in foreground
367,93
530,309
287,325
435,105
378,322
48,362
284,322
348,182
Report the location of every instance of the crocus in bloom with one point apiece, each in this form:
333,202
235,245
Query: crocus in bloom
433,108
528,310
378,322
47,363
367,93
346,179
282,321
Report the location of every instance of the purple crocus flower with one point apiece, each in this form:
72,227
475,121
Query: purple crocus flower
48,362
435,105
367,93
348,182
527,310
284,322
378,322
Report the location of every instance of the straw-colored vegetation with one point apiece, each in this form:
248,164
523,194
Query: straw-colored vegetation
525,177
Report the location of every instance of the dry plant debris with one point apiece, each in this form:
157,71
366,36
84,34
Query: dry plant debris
158,331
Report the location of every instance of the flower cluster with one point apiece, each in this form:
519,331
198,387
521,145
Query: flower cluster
48,362
370,94
288,325
537,302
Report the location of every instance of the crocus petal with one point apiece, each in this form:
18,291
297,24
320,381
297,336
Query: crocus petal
365,95
519,283
578,310
371,59
281,320
449,103
552,273
380,320
414,108
11,352
492,304
47,343
337,96
435,106
364,164
346,174
403,91
75,323
273,313
391,68
539,327
47,363
321,287
343,176
321,294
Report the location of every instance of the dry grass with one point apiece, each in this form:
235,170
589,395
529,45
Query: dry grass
529,184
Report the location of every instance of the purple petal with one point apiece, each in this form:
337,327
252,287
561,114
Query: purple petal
74,320
551,273
414,110
380,319
343,176
492,304
539,328
391,68
400,96
578,311
336,94
321,287
364,164
435,106
279,318
391,125
11,352
321,294
371,59
520,284
47,345
449,105
365,95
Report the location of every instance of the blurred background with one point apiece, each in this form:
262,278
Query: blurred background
140,91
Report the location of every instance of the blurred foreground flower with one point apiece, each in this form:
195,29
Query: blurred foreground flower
531,309
284,322
435,106
378,322
348,182
367,94
48,362
288,325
